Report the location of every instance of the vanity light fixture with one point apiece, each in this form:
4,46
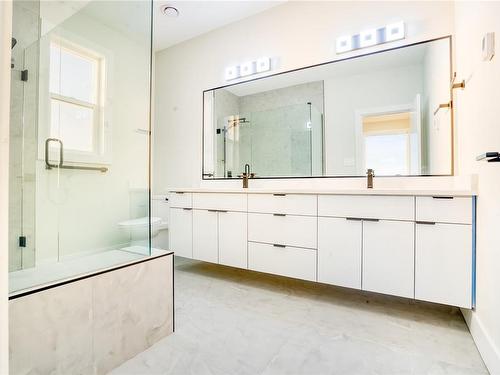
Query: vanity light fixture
344,43
263,64
231,73
368,38
394,31
248,68
371,37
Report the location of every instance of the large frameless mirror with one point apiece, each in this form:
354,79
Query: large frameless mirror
388,111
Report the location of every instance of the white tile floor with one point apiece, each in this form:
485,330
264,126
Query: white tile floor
230,321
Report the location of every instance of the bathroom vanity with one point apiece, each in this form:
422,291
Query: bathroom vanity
413,244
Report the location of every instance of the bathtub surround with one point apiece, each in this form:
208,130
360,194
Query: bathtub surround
5,44
92,325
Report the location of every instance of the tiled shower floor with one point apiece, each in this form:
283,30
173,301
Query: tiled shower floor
231,321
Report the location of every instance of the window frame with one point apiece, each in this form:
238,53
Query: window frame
101,128
360,138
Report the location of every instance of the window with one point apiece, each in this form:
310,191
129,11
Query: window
387,143
75,95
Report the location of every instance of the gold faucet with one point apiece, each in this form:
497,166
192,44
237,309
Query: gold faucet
246,175
370,173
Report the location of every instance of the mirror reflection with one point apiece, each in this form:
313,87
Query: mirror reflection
382,111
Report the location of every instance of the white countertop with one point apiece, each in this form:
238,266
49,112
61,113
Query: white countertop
375,191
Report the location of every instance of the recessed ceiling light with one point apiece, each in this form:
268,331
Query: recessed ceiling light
170,11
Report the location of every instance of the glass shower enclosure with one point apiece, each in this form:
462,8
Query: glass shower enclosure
79,138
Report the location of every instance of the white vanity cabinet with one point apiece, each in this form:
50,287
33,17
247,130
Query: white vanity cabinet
339,251
181,231
443,258
233,243
388,257
220,235
205,235
412,246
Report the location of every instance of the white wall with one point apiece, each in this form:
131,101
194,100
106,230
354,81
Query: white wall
294,34
478,130
5,40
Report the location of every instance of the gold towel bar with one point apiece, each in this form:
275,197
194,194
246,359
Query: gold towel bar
443,105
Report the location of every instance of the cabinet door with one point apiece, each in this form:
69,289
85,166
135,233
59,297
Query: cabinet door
339,252
205,245
233,239
181,232
443,264
388,257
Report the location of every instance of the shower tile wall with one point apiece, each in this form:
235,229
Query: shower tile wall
277,121
23,133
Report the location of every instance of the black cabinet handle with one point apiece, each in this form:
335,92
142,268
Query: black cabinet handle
279,194
187,209
279,214
222,211
442,197
426,222
212,210
278,245
354,218
374,220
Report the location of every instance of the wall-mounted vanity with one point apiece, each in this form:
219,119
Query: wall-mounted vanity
388,111
414,244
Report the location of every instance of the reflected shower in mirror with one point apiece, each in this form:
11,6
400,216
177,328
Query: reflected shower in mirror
388,111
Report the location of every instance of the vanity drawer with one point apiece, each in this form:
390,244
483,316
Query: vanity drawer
180,199
220,201
282,229
294,204
285,261
367,206
444,209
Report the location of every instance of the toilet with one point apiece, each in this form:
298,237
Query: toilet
137,228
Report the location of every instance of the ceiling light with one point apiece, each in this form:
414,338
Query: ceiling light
170,11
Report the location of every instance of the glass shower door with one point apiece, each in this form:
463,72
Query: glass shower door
95,101
23,134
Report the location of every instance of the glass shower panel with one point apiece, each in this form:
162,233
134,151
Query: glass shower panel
80,137
95,95
23,132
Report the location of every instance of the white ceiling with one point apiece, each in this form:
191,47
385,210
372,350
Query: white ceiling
199,17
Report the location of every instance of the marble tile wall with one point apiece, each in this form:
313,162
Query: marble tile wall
92,325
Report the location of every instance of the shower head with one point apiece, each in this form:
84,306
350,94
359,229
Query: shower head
13,43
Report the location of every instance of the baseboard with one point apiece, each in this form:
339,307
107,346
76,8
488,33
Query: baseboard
489,352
